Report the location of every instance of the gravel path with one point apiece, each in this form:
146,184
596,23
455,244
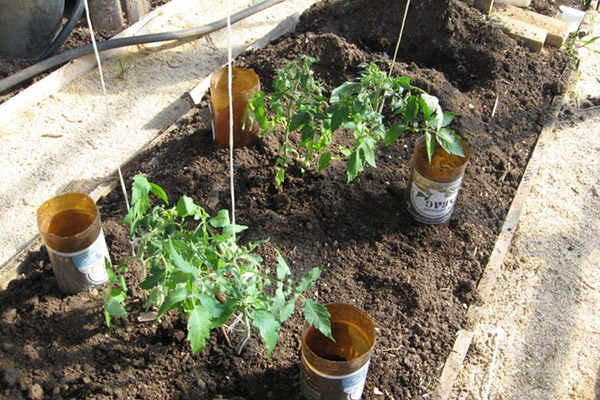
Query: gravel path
539,335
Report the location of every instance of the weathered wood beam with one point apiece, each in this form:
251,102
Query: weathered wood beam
558,31
533,35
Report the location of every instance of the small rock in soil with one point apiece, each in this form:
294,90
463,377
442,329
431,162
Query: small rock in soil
10,315
11,377
35,392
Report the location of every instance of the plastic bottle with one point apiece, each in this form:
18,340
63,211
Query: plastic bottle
70,228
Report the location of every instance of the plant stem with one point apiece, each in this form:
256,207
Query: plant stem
246,333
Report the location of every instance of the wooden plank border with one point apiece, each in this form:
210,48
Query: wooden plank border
464,337
454,362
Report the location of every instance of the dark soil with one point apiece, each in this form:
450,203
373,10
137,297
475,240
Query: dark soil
415,281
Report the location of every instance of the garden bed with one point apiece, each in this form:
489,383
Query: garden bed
415,281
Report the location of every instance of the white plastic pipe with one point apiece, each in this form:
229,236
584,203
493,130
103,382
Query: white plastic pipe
571,16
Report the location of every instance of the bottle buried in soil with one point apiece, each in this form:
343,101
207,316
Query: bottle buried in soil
433,187
337,370
244,84
70,228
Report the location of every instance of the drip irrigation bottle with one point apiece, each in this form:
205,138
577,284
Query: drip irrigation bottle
244,84
337,370
433,187
70,228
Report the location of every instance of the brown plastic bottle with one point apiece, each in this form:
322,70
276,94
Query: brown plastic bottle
70,227
433,187
244,84
337,370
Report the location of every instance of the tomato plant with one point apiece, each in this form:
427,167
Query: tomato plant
206,274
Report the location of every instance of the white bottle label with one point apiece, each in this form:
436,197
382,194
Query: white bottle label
322,386
432,202
90,261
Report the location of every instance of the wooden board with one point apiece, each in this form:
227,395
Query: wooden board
485,6
558,31
455,360
533,35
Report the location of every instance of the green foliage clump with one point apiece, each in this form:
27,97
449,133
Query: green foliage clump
206,275
298,104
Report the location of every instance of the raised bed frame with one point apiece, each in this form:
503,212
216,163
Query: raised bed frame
454,362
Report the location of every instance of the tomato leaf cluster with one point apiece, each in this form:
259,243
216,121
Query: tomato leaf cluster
357,106
200,270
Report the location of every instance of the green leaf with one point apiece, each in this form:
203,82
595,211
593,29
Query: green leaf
317,315
368,149
355,165
199,325
157,275
278,299
307,282
157,190
288,309
221,220
279,177
412,109
180,262
112,276
394,133
429,145
213,306
345,151
118,294
448,117
268,327
114,307
155,298
299,119
186,207
140,189
344,90
430,105
450,142
257,105
173,300
229,229
338,116
435,122
324,161
282,268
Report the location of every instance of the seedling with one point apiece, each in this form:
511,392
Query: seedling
360,106
297,103
201,270
124,68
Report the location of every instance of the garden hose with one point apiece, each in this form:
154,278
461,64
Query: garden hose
59,59
65,31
